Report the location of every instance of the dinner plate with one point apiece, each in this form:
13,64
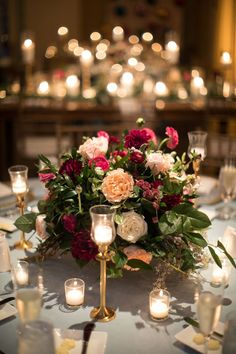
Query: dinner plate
187,334
7,310
96,344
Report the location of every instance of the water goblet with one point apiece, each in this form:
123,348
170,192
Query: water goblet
227,185
209,302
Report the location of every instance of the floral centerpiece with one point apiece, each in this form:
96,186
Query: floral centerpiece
145,181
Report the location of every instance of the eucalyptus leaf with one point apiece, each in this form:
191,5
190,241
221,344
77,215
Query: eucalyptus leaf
196,238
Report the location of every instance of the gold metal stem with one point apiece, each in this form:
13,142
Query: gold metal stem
103,313
196,166
22,243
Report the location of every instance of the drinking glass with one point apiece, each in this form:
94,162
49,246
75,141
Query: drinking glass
229,342
227,185
209,301
36,337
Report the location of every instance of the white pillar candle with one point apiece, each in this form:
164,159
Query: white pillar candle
103,234
72,85
199,151
28,50
22,276
19,185
74,297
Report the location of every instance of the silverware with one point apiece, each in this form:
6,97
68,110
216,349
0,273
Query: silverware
4,301
86,336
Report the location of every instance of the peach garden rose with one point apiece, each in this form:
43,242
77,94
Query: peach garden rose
117,185
94,147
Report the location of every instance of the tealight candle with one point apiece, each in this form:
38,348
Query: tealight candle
159,304
21,273
19,185
103,234
74,291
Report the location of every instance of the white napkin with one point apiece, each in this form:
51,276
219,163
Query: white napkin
229,240
207,185
96,344
7,224
4,190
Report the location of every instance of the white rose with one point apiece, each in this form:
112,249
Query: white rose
159,162
133,226
94,147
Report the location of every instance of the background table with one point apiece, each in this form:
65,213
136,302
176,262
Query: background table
132,331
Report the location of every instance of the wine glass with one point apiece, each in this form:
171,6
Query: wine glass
197,148
227,185
209,303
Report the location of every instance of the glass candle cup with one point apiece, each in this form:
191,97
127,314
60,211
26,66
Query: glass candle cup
103,228
19,179
197,143
159,303
74,292
21,273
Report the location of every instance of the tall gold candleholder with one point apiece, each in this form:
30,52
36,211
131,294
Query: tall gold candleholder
18,174
103,234
103,313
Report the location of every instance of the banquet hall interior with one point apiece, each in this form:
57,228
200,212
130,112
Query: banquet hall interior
67,70
117,176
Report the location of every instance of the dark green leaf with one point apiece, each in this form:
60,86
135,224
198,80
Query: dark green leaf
137,263
196,238
26,223
69,194
215,256
120,259
198,219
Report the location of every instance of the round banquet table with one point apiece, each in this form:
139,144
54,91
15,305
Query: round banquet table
132,331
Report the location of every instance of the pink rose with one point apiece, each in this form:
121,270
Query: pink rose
173,138
103,133
94,147
100,161
46,177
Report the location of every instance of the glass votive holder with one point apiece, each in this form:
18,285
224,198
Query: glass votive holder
21,273
19,179
221,276
159,303
74,292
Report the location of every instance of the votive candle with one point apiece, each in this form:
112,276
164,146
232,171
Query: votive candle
159,301
103,234
21,272
74,291
19,185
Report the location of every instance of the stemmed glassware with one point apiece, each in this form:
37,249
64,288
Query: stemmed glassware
19,184
103,234
209,302
197,148
227,185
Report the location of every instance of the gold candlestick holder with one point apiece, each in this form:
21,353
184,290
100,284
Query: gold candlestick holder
103,234
196,165
103,313
22,243
18,175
